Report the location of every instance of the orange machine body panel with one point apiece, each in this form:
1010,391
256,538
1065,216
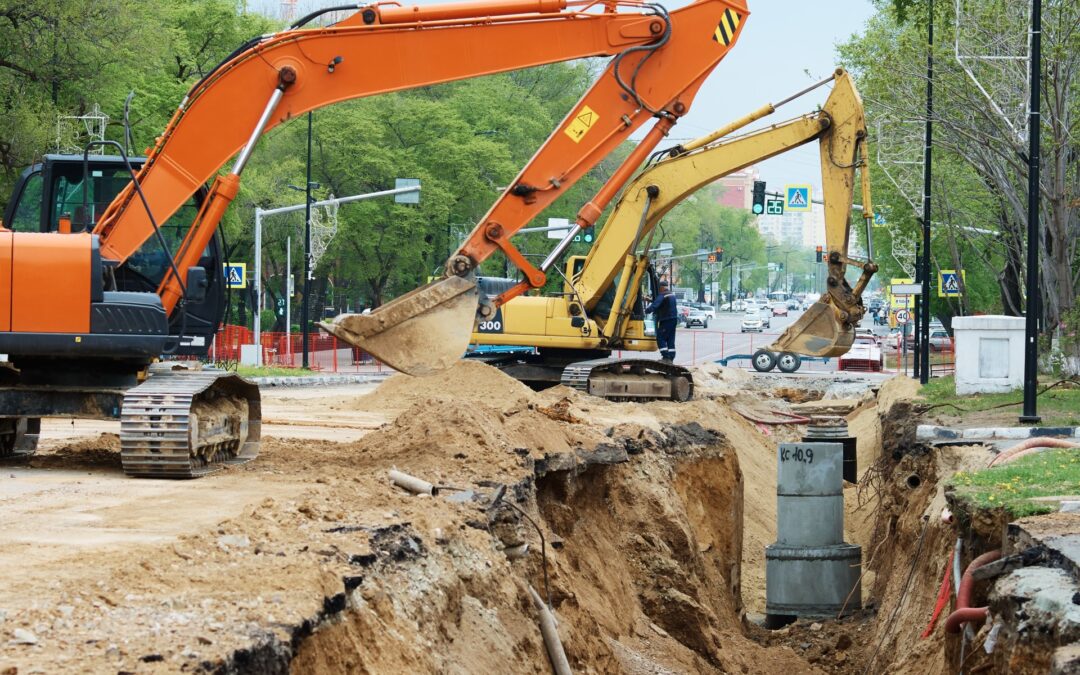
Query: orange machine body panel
5,279
50,282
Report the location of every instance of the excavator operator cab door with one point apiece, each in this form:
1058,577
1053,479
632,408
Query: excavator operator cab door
53,190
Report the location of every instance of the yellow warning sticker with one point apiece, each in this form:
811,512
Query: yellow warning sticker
583,120
725,30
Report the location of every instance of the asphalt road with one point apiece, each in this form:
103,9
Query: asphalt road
723,339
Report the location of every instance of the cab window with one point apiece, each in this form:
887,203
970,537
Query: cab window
84,206
27,216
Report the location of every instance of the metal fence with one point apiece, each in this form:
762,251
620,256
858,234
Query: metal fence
695,347
286,350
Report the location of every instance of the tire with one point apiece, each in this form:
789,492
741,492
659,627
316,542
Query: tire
763,360
705,325
788,362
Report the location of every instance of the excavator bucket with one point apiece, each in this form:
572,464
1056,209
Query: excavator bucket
818,332
422,332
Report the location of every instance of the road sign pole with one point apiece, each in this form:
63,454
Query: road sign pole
288,294
257,281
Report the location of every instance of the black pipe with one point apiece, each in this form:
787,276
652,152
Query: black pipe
1031,325
923,327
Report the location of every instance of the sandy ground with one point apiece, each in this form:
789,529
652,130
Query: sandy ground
655,516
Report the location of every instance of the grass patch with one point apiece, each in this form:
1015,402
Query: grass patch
1046,474
1059,406
271,371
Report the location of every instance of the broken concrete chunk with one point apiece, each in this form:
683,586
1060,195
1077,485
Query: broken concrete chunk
24,637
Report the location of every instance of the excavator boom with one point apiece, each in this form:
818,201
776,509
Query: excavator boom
660,62
601,310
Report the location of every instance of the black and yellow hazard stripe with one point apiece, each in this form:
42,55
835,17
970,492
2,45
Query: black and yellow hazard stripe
725,30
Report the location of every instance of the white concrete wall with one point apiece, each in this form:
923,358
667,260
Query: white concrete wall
989,353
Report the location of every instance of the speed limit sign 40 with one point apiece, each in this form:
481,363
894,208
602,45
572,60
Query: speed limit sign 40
902,316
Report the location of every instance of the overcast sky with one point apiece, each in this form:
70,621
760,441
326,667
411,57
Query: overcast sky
785,46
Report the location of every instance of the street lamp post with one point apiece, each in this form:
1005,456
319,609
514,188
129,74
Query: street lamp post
304,308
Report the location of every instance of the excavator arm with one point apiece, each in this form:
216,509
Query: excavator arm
827,328
660,61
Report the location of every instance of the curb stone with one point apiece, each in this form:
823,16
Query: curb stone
930,432
316,380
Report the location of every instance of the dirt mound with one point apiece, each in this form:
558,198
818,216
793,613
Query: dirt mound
466,381
102,451
712,379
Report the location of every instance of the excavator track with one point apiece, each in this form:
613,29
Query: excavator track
618,379
186,424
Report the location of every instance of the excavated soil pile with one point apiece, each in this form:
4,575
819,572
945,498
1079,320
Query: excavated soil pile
646,530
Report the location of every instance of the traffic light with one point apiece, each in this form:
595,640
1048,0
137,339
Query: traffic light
719,254
587,235
819,254
759,198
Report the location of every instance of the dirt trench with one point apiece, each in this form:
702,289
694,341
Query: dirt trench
643,554
654,518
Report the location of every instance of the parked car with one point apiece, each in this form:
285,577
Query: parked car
865,355
696,317
940,340
755,320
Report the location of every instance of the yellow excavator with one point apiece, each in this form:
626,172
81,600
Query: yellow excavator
600,309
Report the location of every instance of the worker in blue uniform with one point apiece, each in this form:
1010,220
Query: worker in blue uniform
666,309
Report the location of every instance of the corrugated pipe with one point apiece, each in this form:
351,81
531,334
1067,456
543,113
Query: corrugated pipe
964,613
1031,446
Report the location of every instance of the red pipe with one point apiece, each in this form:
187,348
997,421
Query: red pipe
957,619
1029,444
964,613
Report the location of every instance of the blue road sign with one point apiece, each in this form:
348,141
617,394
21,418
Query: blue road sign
235,275
797,197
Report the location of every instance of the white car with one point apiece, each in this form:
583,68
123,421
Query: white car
696,317
865,355
706,309
737,306
755,320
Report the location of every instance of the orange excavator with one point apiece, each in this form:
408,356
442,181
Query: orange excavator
109,262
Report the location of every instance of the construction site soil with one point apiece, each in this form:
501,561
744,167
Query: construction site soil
643,524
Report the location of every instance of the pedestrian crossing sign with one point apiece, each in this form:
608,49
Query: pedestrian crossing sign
949,283
235,275
797,197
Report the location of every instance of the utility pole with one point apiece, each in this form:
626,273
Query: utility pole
1032,308
924,262
304,308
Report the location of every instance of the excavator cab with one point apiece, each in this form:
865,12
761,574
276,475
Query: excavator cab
63,195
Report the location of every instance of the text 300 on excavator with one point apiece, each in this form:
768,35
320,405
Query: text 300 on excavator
102,275
600,307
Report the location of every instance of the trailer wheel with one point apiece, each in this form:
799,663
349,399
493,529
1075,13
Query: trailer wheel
788,362
763,360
